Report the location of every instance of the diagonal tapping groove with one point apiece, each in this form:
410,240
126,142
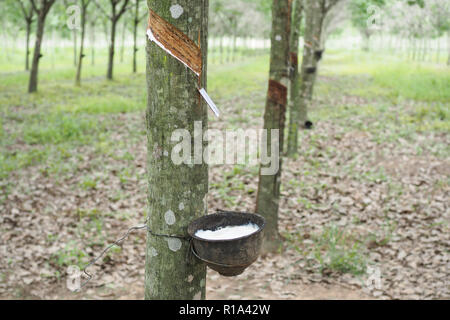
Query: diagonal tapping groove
174,42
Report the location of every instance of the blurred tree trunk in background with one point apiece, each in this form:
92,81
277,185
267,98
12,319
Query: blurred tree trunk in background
274,117
308,61
122,45
135,25
221,48
448,47
75,44
116,14
41,9
84,6
28,14
137,19
316,11
177,193
27,53
92,40
297,8
112,39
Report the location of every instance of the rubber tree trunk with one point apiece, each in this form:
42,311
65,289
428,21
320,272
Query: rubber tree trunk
135,25
122,46
294,78
221,49
438,48
92,43
83,33
177,193
448,48
112,39
33,81
268,194
75,47
312,53
27,53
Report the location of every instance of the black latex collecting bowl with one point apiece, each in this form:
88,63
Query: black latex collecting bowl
229,257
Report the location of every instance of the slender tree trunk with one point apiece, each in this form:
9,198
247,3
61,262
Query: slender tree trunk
309,61
274,117
53,51
294,88
75,47
109,74
122,48
33,81
81,56
177,193
229,50
448,47
438,48
221,49
92,43
135,25
234,56
27,53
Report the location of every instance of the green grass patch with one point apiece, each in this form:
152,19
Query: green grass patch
109,103
59,127
337,250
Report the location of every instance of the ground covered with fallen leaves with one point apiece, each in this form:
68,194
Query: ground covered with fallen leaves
367,193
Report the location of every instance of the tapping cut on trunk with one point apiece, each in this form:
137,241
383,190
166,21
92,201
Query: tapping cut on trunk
175,42
277,92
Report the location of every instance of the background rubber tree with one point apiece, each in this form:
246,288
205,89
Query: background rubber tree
177,193
84,4
297,9
28,16
361,13
316,11
117,9
136,20
268,194
41,8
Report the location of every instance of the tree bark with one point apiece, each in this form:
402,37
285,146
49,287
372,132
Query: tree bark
109,74
177,193
75,47
312,53
83,32
27,53
268,194
41,15
294,87
122,47
33,81
92,43
221,49
116,13
135,26
448,48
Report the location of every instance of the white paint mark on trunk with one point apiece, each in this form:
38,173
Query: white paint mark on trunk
181,206
153,252
169,216
174,244
176,11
